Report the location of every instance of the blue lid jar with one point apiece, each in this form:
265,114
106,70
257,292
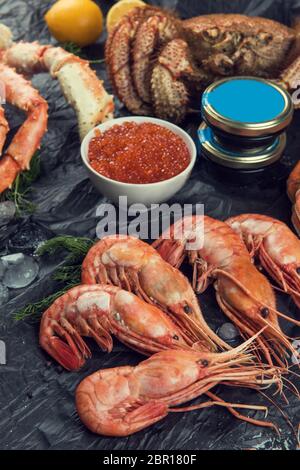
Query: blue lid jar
244,122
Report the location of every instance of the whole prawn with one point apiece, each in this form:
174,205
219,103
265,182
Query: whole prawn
123,400
134,265
242,292
99,311
277,248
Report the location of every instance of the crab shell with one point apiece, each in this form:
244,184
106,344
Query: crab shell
159,64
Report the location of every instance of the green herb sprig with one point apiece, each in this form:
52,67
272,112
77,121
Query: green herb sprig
73,48
33,311
68,275
22,187
77,50
76,246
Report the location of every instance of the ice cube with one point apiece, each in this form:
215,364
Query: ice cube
15,258
228,332
4,294
20,272
28,238
2,269
7,211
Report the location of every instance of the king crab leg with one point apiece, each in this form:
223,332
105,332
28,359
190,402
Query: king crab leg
19,92
79,83
151,35
118,60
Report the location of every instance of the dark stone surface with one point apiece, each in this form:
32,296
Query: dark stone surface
37,409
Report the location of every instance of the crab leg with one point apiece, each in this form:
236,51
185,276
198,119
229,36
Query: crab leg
19,92
150,36
117,55
167,86
81,87
79,83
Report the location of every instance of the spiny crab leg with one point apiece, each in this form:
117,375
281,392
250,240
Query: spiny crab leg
166,81
151,35
79,83
19,92
118,60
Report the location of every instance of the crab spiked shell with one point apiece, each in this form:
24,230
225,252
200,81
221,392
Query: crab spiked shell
117,55
160,64
150,36
173,78
131,51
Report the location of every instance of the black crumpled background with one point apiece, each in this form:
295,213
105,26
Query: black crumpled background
37,409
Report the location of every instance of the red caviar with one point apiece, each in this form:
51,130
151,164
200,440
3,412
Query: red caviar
138,153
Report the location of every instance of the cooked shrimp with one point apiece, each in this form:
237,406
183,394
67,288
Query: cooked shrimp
276,246
242,292
134,265
100,311
124,400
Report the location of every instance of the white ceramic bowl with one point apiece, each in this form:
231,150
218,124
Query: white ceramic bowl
150,193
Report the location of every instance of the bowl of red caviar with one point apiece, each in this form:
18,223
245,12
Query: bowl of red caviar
146,159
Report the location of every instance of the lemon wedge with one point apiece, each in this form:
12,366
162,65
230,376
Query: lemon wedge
120,9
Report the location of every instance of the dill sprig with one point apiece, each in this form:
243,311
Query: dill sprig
34,310
22,187
68,275
96,61
73,48
77,247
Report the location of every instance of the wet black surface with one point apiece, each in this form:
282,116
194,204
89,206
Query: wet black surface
37,409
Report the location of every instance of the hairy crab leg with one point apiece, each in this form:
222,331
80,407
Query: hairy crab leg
118,59
150,36
19,92
170,95
79,83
